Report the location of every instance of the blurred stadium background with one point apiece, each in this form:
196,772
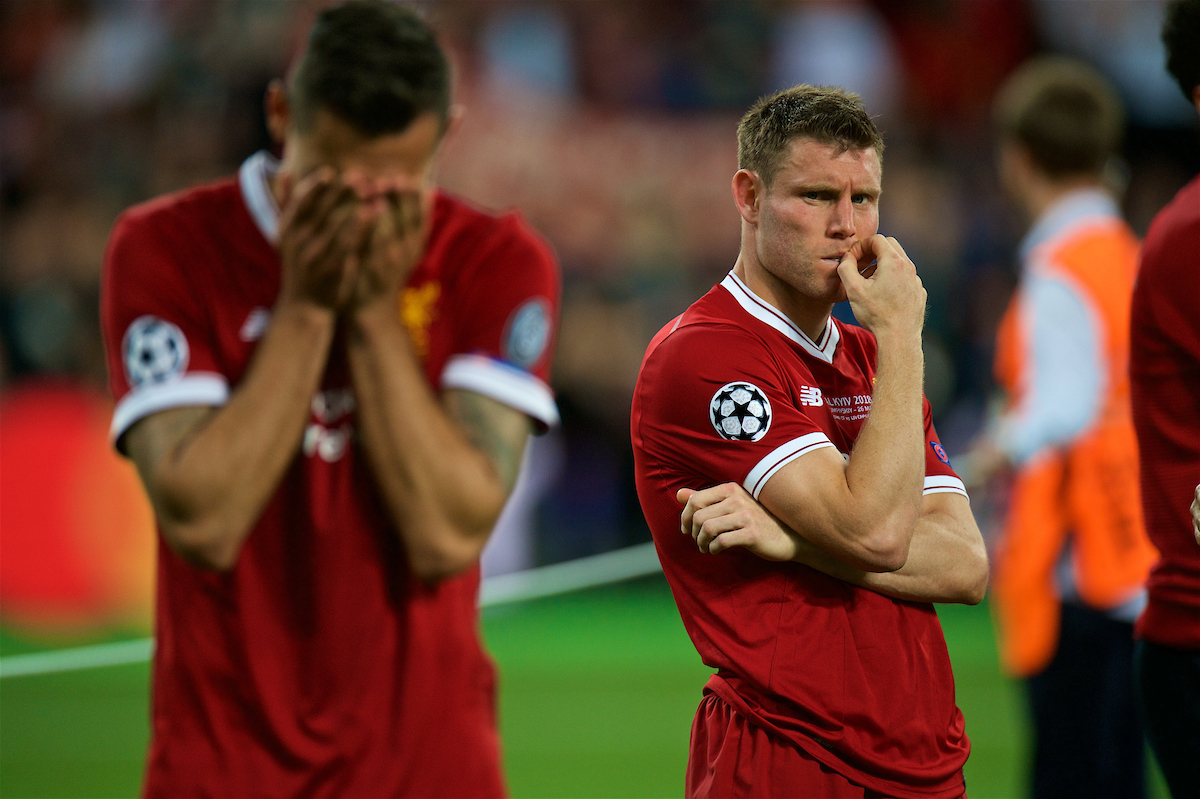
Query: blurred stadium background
610,124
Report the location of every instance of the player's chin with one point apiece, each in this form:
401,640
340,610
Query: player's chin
836,291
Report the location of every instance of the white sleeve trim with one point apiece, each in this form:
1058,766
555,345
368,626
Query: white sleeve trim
945,484
781,456
194,388
502,382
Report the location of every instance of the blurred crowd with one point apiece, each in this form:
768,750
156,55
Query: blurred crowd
611,125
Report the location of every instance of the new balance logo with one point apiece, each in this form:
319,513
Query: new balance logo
811,396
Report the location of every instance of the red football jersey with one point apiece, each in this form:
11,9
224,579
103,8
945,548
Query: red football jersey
318,666
732,391
1164,364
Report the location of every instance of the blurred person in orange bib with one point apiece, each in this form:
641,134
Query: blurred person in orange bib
326,371
1165,371
1072,563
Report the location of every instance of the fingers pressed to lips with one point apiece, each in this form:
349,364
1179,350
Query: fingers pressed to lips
857,250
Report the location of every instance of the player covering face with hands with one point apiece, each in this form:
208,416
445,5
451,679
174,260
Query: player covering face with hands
326,371
348,236
802,506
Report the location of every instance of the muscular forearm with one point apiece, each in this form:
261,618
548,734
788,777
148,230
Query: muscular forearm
886,470
864,512
211,472
947,562
442,493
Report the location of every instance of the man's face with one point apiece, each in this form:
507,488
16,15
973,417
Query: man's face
819,204
375,165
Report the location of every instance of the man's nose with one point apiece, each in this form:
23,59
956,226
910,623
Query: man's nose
841,220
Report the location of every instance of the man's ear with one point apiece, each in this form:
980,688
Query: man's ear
748,192
278,110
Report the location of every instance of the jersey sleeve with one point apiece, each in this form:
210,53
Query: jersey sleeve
940,477
507,321
156,338
715,404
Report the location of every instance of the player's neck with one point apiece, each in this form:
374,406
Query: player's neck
1044,192
806,313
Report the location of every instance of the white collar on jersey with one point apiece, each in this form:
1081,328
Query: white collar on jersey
254,179
763,311
1074,209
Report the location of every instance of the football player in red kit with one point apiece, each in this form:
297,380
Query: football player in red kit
326,371
820,514
1164,366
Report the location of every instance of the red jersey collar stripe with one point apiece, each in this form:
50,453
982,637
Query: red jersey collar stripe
763,311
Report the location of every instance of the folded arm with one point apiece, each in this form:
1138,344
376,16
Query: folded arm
947,559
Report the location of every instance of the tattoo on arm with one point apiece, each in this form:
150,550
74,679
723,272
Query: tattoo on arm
499,431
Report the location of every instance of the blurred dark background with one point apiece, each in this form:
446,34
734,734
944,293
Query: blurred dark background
609,123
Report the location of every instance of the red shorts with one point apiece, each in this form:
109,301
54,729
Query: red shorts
730,757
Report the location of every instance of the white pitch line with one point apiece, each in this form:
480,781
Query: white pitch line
557,578
573,575
82,657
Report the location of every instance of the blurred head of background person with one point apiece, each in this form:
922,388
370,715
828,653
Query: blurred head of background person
1060,126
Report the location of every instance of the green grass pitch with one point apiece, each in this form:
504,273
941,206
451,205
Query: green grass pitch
598,689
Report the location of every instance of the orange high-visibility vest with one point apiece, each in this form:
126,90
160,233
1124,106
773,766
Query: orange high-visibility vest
1088,490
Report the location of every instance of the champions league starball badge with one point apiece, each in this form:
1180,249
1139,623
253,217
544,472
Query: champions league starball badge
740,412
527,333
154,351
